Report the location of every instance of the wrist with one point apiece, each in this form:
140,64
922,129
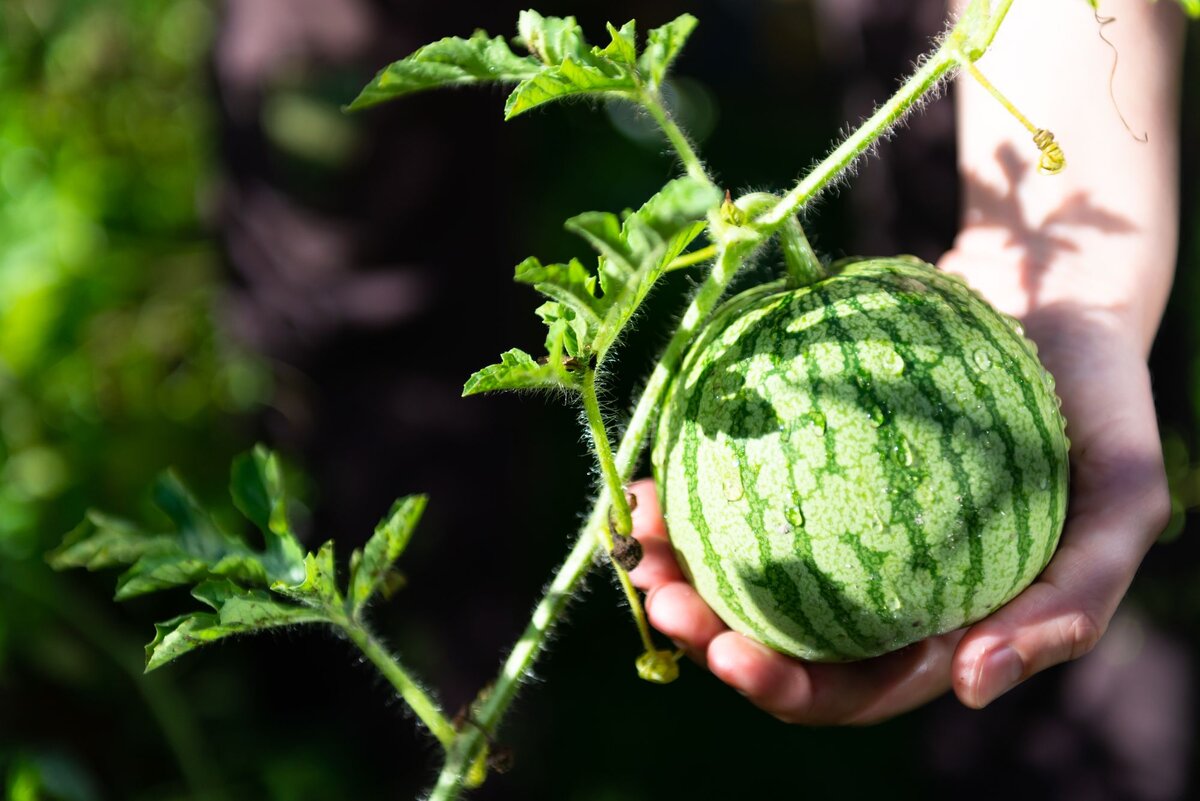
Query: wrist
1122,275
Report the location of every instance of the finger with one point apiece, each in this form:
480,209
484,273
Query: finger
1062,616
647,515
678,611
834,694
658,565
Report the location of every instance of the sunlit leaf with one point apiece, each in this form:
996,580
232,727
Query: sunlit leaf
449,62
663,45
583,323
256,486
371,565
516,370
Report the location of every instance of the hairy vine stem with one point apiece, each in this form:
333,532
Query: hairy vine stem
651,101
421,703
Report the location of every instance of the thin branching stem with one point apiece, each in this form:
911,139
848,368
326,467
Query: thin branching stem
421,703
803,266
652,102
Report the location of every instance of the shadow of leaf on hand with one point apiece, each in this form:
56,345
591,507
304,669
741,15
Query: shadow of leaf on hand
993,207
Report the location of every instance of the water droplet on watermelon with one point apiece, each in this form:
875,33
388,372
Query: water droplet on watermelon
1048,380
1044,483
982,360
1017,328
816,420
893,602
919,519
795,516
903,453
877,416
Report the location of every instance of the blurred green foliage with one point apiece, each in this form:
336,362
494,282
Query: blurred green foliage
110,363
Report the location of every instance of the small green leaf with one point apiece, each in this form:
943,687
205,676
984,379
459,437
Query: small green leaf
516,370
623,46
551,39
663,45
569,284
237,611
572,66
100,541
319,586
370,567
449,62
256,485
581,326
569,79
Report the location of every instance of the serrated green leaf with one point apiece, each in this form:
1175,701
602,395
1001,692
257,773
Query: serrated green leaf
256,486
633,254
155,573
569,79
572,66
372,565
569,284
199,549
237,611
449,62
100,542
516,370
319,586
663,45
623,46
551,39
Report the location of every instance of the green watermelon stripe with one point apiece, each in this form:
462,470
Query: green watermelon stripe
923,378
905,506
1014,371
872,562
984,392
712,559
776,581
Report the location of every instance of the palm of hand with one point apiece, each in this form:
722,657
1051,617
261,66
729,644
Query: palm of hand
1119,504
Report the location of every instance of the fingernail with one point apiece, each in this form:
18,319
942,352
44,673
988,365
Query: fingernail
1001,671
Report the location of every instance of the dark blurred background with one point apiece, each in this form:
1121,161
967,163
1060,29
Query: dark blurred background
198,251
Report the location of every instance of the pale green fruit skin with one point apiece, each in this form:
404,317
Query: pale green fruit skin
859,464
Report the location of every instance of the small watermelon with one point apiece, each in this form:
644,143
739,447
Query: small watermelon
855,465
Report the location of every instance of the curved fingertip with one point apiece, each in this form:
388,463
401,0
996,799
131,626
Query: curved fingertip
658,565
987,671
771,681
647,514
680,613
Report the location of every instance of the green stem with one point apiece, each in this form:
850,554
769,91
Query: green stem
698,256
969,38
422,705
652,102
622,518
931,73
803,266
